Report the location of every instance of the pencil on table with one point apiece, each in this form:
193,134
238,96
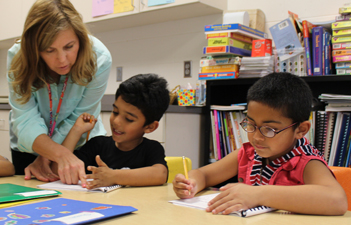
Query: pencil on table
91,120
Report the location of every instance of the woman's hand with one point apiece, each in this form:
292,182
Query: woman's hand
71,169
40,168
184,188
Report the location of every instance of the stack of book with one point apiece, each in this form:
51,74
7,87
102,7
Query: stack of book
336,103
256,66
342,41
226,44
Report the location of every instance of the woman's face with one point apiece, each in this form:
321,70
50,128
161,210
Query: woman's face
62,54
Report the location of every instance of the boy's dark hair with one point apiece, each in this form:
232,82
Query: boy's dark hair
147,92
286,92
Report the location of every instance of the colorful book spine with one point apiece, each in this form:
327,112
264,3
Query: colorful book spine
230,42
221,75
341,52
344,131
345,45
222,133
235,27
233,35
209,50
220,68
327,54
342,58
343,71
338,33
341,39
317,49
215,114
341,18
341,25
344,65
307,30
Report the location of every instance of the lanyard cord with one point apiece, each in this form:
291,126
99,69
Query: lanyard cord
53,123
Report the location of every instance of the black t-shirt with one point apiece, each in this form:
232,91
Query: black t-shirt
148,153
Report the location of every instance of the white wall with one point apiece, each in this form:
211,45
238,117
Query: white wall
158,48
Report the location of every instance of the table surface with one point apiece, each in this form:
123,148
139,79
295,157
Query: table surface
154,208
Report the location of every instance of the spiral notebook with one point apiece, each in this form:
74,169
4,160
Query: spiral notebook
200,202
76,187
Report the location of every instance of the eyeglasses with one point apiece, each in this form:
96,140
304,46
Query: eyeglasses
264,130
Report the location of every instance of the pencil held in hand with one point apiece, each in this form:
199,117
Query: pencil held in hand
91,120
186,172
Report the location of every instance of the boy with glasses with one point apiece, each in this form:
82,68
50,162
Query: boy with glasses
278,167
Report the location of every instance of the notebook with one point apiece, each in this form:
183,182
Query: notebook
75,187
12,192
62,211
200,202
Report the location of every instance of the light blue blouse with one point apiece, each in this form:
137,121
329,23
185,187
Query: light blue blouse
28,121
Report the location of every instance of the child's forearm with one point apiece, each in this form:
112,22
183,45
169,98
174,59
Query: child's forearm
146,176
305,199
72,138
6,168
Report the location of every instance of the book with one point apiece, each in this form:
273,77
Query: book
237,138
220,136
329,135
223,136
338,33
343,65
228,107
343,139
321,125
336,133
63,211
342,58
226,49
286,41
345,45
219,68
200,202
342,18
343,71
341,39
214,140
307,40
231,132
218,153
233,35
12,192
341,25
230,42
75,187
317,50
236,27
327,65
226,132
219,75
217,61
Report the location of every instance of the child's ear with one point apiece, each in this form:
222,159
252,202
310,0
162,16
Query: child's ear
151,127
302,129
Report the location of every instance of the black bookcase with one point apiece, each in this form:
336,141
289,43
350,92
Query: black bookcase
226,92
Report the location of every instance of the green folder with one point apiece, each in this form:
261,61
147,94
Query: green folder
13,192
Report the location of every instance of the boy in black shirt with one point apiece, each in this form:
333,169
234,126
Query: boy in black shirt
126,157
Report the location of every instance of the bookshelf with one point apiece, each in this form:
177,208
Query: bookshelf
226,92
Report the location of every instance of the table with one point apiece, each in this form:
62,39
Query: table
154,208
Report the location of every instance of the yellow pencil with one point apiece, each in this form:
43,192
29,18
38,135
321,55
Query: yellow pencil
186,172
91,120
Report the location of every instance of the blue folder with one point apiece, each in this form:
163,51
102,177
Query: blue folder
62,211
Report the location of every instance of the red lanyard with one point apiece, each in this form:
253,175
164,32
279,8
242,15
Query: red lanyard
53,124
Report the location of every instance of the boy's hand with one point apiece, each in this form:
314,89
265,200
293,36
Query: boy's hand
234,197
101,175
182,186
83,123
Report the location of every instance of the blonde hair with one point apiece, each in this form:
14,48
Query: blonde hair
45,20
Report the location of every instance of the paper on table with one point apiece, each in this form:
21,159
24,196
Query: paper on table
75,187
201,202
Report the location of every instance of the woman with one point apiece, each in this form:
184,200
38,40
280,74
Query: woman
56,72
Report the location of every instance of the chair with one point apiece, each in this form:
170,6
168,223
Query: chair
343,176
175,166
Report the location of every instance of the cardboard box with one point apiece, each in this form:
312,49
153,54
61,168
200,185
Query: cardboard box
262,47
257,18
